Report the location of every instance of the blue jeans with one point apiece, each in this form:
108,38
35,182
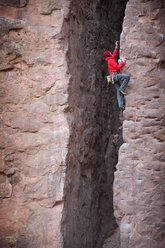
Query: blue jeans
120,82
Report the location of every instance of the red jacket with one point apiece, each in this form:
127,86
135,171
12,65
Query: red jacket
112,65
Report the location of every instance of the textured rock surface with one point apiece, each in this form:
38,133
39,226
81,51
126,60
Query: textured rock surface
55,102
34,131
13,3
143,35
60,125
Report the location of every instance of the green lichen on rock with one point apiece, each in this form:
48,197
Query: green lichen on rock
11,240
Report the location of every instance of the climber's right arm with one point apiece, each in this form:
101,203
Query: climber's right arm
116,66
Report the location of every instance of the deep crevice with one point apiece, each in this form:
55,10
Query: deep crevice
95,124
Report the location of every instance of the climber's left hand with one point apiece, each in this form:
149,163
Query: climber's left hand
117,44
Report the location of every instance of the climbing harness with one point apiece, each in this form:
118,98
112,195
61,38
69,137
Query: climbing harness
108,80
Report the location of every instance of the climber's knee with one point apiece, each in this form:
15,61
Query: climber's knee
128,77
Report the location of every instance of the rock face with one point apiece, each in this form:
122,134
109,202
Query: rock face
34,132
61,127
56,113
143,36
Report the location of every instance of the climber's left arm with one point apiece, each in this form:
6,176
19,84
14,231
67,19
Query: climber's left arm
115,51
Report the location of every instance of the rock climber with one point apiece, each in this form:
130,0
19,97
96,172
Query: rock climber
118,79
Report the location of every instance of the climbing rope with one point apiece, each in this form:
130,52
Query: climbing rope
134,131
128,67
133,156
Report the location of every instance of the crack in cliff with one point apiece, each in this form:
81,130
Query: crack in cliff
95,124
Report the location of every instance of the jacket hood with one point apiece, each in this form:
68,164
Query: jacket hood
108,58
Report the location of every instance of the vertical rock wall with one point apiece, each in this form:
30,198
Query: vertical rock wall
34,132
57,111
93,115
143,36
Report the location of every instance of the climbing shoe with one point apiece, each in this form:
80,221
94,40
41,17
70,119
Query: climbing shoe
122,92
108,79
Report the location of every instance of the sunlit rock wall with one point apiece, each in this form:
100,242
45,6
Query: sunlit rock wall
143,36
33,132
